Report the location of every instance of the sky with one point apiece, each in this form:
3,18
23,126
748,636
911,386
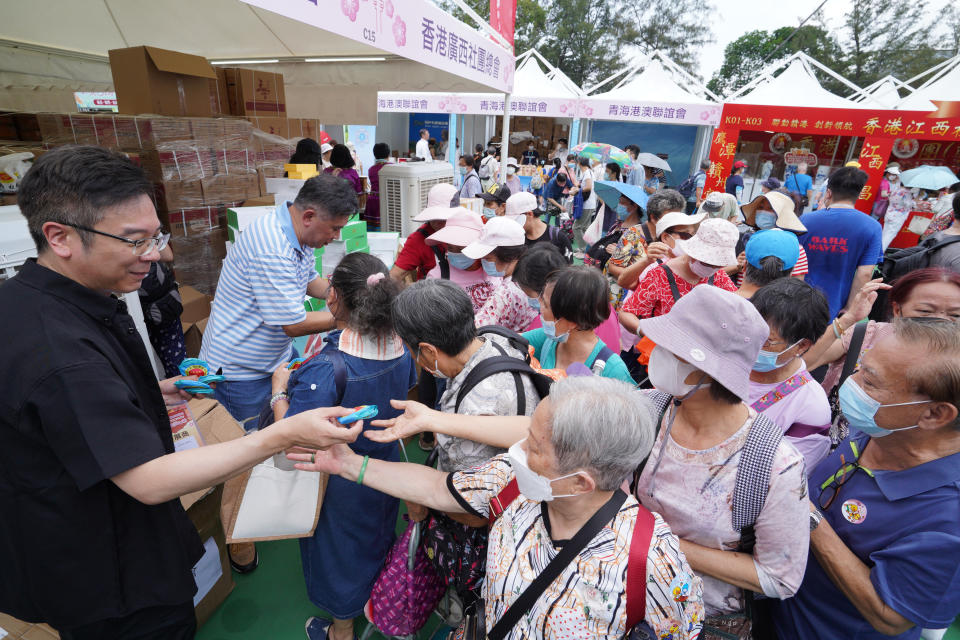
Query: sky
735,18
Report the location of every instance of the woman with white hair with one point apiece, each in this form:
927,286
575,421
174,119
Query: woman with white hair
567,473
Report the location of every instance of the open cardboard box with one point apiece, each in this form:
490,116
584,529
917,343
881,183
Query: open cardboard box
154,80
196,312
206,422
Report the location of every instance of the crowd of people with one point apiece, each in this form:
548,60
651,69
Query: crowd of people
710,421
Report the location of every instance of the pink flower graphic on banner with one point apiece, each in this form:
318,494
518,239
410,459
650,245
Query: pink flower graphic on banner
452,103
587,111
350,8
389,7
400,31
569,108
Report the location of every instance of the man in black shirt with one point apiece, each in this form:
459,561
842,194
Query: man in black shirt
93,539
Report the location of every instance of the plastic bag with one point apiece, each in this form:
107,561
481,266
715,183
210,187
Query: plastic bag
12,169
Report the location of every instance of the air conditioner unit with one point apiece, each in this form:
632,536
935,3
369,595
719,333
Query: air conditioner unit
403,192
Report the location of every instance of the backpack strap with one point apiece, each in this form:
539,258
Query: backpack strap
711,279
637,567
517,341
646,233
672,281
603,356
492,366
782,390
661,402
442,261
853,352
503,500
753,478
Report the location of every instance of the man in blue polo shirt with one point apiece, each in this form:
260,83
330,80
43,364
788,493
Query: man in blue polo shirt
885,506
258,308
842,243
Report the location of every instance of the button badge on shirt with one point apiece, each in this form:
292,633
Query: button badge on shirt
680,587
854,511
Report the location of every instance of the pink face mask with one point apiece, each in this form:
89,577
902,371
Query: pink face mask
702,270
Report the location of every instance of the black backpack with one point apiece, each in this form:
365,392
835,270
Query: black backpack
688,186
506,363
900,263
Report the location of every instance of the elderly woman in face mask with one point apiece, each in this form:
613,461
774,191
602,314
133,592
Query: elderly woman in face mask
772,210
563,478
722,476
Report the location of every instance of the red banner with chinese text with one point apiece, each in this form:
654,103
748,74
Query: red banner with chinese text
879,128
503,17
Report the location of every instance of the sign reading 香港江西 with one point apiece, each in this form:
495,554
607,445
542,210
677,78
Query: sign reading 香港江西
414,29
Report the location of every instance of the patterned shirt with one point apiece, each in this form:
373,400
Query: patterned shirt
261,290
495,395
632,247
588,599
693,490
507,307
654,298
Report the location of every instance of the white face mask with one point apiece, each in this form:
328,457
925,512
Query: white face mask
668,373
531,484
511,171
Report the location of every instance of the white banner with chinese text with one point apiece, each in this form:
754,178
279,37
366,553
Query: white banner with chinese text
414,29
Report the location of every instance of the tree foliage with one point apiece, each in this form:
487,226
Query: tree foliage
876,38
746,56
592,39
883,37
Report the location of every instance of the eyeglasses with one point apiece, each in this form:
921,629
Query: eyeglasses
831,486
140,247
681,235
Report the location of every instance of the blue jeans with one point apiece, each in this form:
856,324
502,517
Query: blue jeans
244,399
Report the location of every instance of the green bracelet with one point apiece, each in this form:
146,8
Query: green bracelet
363,469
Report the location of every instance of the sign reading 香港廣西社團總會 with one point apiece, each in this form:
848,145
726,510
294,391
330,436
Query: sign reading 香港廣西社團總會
414,29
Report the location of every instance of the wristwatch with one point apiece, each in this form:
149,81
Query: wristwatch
815,518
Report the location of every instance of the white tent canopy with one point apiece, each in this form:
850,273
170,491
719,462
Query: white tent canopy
796,86
885,92
943,84
654,83
61,45
535,92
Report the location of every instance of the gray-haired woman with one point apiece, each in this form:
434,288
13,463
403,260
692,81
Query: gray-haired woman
567,470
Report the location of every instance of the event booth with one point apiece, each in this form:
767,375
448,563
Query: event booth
808,124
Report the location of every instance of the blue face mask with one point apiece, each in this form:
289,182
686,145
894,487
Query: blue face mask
622,212
490,268
767,360
860,410
766,220
489,213
534,303
550,329
462,170
460,261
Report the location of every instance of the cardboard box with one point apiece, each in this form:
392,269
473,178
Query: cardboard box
203,422
255,93
196,311
219,103
212,572
173,195
13,629
221,189
153,80
239,218
279,127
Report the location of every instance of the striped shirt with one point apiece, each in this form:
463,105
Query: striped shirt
261,290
